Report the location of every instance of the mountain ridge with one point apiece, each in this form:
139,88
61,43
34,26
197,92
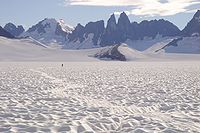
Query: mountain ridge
119,31
96,34
49,31
193,27
13,29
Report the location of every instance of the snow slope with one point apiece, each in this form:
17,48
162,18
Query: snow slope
31,50
190,45
130,54
157,47
65,27
146,43
119,52
185,45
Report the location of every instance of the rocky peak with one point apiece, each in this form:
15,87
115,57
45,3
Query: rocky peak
77,34
111,34
51,26
197,14
49,31
193,27
4,33
111,24
13,29
123,20
96,28
81,33
43,26
123,26
79,27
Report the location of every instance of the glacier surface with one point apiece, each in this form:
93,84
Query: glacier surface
100,97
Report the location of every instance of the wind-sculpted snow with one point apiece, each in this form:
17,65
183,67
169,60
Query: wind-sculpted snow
100,97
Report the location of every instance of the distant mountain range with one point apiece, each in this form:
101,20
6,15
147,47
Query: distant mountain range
116,33
96,34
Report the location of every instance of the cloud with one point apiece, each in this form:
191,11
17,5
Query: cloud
104,2
142,7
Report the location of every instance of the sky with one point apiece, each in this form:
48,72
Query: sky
30,12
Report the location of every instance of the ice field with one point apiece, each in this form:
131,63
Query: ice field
100,97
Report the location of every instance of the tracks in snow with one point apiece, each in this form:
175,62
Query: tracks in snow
62,90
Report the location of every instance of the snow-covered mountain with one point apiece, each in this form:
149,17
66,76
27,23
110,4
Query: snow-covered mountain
49,32
139,36
13,29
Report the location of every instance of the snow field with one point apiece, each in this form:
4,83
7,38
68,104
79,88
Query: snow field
100,97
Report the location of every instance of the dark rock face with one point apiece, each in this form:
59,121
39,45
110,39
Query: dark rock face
111,35
119,32
193,27
112,53
116,33
134,35
77,34
124,27
154,27
4,33
97,28
81,33
14,30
